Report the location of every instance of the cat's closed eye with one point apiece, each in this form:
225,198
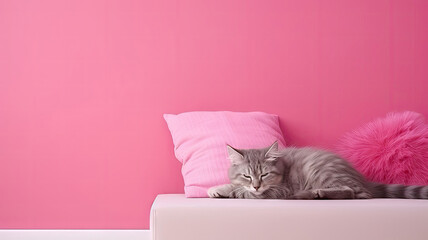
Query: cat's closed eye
246,176
263,175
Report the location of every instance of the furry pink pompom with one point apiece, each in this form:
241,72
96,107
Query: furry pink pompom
390,150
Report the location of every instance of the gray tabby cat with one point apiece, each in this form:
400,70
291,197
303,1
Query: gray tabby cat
302,173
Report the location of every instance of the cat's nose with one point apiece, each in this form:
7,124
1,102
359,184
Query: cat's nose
257,188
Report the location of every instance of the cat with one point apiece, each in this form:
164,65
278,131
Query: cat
301,173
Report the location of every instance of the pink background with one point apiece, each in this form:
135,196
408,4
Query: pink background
84,84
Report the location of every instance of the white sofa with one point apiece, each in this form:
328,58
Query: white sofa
174,217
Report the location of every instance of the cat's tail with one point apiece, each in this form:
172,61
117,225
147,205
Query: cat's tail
399,191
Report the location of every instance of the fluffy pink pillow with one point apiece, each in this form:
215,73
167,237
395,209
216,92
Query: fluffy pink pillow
390,150
200,140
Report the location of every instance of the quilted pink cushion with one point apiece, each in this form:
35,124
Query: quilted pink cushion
200,140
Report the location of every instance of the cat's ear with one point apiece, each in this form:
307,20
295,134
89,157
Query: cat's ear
272,148
270,153
234,155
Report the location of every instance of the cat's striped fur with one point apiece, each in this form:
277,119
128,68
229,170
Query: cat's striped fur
302,173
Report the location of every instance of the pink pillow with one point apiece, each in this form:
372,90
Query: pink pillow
200,140
390,150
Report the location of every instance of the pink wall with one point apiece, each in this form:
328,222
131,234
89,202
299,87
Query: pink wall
84,84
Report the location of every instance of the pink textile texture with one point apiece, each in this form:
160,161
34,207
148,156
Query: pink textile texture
200,140
393,149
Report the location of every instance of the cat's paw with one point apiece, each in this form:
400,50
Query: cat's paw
305,194
318,193
214,192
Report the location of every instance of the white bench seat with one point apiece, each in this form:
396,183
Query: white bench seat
174,217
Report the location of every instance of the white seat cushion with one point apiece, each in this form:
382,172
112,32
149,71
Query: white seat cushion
174,217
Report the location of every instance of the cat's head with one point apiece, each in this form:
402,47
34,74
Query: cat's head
255,169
